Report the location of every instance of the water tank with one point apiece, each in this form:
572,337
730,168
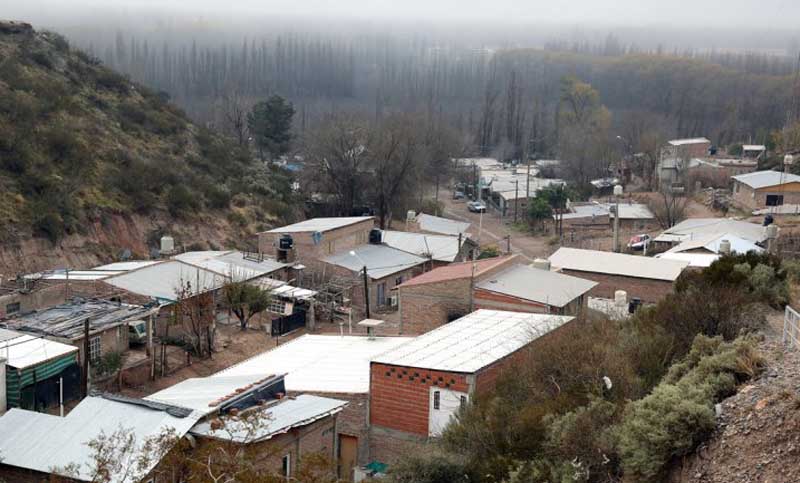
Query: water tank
618,190
541,264
375,236
788,160
167,244
772,232
285,242
411,216
725,247
620,298
768,220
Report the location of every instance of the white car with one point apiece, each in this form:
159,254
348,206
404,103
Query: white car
476,207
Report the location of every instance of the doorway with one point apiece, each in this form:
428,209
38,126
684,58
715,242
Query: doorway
348,456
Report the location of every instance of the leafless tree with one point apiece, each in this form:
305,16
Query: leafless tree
194,311
234,113
669,208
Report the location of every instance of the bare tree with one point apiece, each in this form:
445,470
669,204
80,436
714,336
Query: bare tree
669,208
234,113
194,310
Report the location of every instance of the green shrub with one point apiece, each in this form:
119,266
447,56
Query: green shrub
181,202
42,58
430,466
111,81
791,267
491,251
48,223
679,413
109,363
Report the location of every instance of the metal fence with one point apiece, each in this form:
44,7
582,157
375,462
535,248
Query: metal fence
284,325
791,327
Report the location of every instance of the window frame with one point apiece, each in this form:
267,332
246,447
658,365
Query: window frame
13,308
286,465
437,400
95,348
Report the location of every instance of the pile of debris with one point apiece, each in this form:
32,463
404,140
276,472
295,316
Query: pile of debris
718,198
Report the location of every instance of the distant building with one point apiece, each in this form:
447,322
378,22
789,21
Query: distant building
417,388
763,189
439,249
699,228
438,226
687,148
648,279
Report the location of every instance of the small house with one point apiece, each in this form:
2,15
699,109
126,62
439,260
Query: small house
763,189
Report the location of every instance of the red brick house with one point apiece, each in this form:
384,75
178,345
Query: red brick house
417,387
649,279
443,294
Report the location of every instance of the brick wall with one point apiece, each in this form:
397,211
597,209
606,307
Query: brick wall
399,396
648,290
357,290
431,305
308,253
746,197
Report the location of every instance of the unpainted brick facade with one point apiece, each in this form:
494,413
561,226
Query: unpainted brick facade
756,199
648,290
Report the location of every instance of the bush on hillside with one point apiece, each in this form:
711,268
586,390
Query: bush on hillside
429,466
679,413
181,202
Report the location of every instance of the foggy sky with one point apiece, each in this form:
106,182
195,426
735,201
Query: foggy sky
748,14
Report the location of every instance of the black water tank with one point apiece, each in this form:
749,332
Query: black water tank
634,304
375,236
768,220
285,242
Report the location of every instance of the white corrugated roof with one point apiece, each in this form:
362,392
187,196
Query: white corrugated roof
288,413
712,243
445,226
23,350
438,247
320,224
283,289
754,147
42,442
700,260
632,211
472,342
381,260
163,281
199,393
231,263
127,266
616,264
542,286
683,142
319,363
764,179
700,227
75,275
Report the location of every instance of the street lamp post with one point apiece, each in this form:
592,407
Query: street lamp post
617,196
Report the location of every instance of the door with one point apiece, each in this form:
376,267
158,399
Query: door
348,456
444,403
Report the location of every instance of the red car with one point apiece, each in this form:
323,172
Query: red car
639,242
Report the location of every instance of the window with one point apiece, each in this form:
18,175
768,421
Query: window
382,293
463,402
277,306
13,308
774,200
94,349
398,280
286,468
436,400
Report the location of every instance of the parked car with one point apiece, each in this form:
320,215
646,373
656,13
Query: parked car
458,195
476,207
639,242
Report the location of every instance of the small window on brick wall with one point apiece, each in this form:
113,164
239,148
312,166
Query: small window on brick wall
436,400
94,349
13,308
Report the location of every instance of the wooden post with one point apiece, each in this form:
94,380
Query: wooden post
86,356
366,290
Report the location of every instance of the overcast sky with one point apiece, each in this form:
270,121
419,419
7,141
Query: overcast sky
632,13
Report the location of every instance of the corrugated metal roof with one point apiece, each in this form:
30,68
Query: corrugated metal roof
320,224
616,264
319,363
232,264
712,244
42,442
67,320
445,226
472,342
632,211
201,393
437,247
542,286
764,179
700,260
163,281
127,266
700,227
754,147
23,350
684,142
283,289
288,413
381,260
456,271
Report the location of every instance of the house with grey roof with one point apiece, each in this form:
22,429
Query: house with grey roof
766,189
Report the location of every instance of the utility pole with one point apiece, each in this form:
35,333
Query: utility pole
508,243
85,371
617,194
516,199
366,290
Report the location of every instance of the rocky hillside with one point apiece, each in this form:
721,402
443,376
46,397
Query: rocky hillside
758,432
92,164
